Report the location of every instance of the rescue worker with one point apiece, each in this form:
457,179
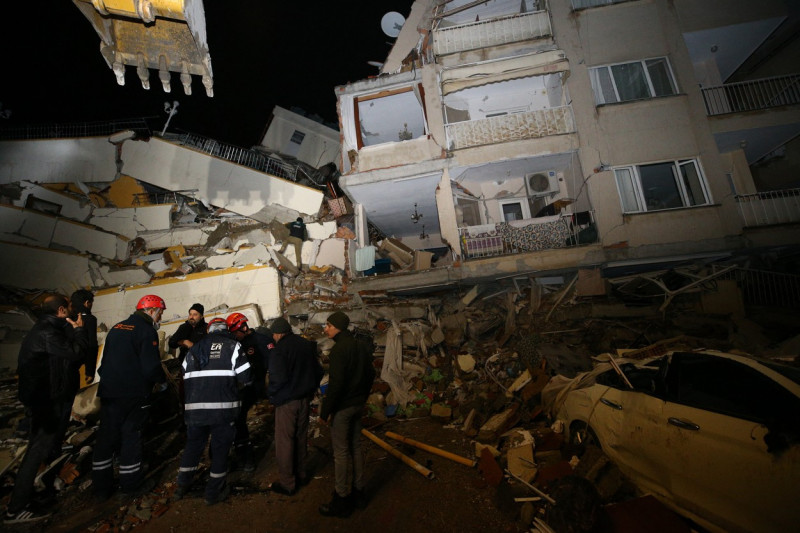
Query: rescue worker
294,375
213,371
256,346
189,332
129,372
48,364
350,379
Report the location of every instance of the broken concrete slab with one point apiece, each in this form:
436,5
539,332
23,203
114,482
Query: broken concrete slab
321,230
31,267
61,204
133,220
186,236
331,252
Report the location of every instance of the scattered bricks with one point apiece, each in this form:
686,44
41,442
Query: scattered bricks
441,411
498,423
159,509
489,468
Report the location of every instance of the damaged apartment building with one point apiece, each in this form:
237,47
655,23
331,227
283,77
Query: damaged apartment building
518,139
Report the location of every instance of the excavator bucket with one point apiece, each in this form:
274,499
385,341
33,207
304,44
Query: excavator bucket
164,35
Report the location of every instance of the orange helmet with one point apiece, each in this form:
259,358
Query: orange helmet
151,301
236,321
217,324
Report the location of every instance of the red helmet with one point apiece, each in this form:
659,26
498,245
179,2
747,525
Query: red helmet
236,321
151,301
217,324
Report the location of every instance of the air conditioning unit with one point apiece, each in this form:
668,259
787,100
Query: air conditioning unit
541,183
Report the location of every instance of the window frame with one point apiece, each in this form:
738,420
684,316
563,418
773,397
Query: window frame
524,207
633,190
600,97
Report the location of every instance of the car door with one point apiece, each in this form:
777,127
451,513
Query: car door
713,447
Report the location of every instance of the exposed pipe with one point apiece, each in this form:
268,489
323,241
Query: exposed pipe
406,459
431,449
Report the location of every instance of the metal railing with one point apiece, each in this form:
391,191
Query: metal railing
769,207
493,32
752,95
235,154
761,287
513,127
548,233
75,129
584,4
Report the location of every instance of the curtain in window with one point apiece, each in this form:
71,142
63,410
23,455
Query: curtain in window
630,80
660,77
603,87
692,184
630,201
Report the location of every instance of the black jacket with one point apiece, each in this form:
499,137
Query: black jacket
49,359
131,362
187,331
350,374
258,347
90,325
294,370
213,370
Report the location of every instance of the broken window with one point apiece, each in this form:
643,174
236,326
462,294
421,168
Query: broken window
636,80
390,116
297,137
659,186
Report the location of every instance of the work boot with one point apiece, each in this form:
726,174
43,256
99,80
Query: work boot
220,497
338,506
358,498
180,492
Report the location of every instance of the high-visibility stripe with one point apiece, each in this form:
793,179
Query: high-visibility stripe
212,405
212,474
242,368
208,373
107,462
96,466
187,469
129,469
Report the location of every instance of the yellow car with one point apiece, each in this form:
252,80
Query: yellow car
715,436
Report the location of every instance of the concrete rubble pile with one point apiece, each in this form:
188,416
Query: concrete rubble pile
476,359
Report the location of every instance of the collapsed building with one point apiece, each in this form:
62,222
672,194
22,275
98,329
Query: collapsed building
509,153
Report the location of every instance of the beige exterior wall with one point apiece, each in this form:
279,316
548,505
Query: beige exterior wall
646,131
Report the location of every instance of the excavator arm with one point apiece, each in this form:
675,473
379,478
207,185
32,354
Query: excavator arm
164,35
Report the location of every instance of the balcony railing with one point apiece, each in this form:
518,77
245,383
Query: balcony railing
770,207
74,130
583,4
493,32
530,235
514,127
752,95
235,154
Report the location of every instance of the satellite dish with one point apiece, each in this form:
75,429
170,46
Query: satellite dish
392,22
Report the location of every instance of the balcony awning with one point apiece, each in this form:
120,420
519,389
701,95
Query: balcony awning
456,79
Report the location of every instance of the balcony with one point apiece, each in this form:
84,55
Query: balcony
529,235
752,95
770,207
514,127
493,32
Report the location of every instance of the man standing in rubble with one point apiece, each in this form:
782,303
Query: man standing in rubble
350,379
48,364
213,371
256,347
294,375
129,372
189,332
293,233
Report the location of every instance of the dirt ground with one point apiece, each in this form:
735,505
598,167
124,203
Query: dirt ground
457,499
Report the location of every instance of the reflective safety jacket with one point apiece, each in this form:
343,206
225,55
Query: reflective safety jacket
213,370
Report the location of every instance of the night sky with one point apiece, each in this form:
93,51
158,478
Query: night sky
263,53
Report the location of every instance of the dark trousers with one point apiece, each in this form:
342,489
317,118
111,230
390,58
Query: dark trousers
121,424
348,461
291,441
45,424
196,438
242,439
